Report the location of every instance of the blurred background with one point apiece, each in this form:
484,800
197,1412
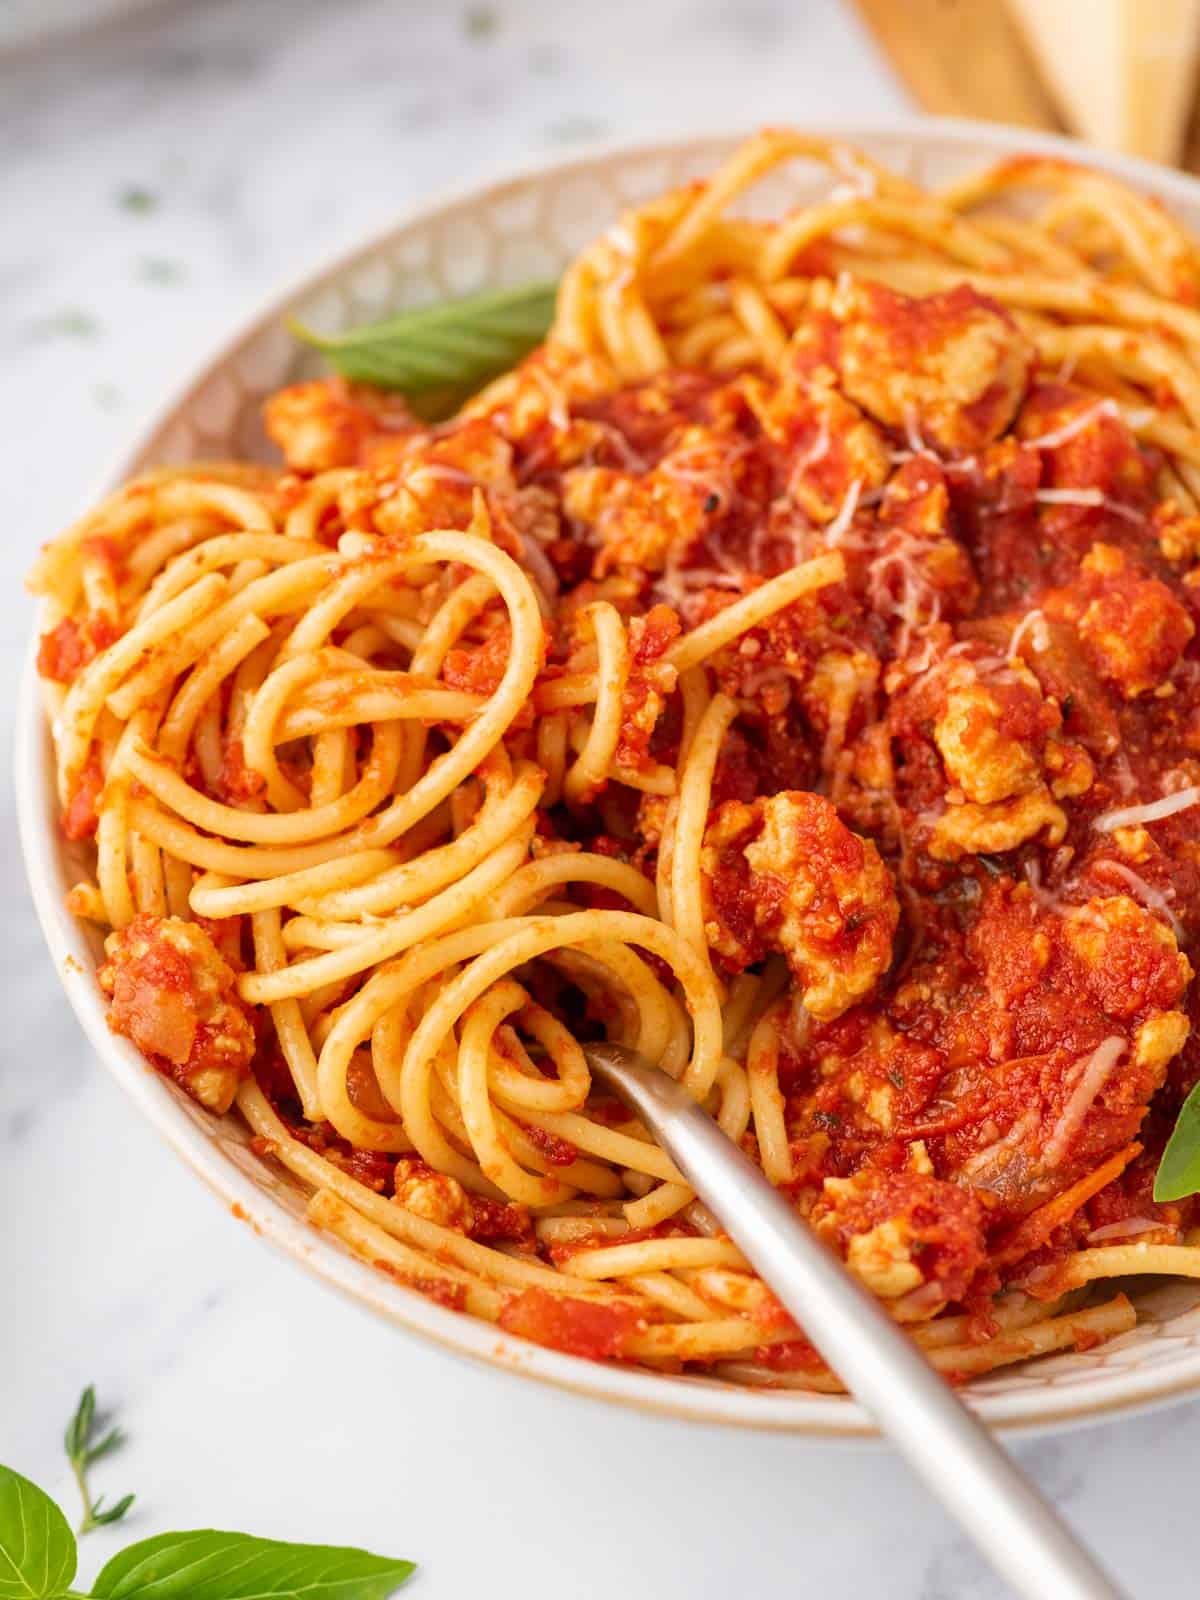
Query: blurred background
166,166
165,170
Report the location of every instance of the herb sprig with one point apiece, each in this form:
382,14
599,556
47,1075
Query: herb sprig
1179,1170
39,1555
439,355
84,1449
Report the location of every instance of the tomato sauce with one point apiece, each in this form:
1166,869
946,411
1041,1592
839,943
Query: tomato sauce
961,796
593,1329
1011,657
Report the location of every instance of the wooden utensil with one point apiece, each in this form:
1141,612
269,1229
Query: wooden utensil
963,58
1120,74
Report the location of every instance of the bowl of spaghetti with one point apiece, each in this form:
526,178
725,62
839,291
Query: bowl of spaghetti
766,639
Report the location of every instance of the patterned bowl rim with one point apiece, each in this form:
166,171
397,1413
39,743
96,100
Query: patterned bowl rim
1051,1404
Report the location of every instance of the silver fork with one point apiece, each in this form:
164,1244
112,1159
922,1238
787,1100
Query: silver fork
1012,1523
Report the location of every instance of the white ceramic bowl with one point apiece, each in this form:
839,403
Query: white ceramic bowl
530,226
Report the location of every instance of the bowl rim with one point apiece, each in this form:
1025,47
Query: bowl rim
687,1398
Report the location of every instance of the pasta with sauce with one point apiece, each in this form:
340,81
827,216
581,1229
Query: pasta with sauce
790,670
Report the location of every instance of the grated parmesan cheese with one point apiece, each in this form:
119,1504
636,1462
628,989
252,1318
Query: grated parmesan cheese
682,587
992,1155
1123,772
712,477
817,451
1093,1072
1033,624
919,605
1032,873
1077,424
912,433
840,525
537,565
439,471
1153,899
1126,1228
557,411
631,460
1087,497
1152,811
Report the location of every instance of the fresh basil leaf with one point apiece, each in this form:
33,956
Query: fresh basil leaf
1179,1170
37,1547
207,1565
438,356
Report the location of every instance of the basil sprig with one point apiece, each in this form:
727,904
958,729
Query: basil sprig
38,1562
1179,1170
84,1449
438,356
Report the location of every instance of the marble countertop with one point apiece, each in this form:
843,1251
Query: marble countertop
159,177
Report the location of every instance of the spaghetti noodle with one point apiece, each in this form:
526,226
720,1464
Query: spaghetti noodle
788,670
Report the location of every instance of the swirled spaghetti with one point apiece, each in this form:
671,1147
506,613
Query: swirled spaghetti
788,670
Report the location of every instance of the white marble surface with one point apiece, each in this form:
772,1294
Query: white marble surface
157,179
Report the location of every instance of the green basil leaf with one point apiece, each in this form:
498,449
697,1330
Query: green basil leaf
438,356
207,1565
1179,1170
37,1547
